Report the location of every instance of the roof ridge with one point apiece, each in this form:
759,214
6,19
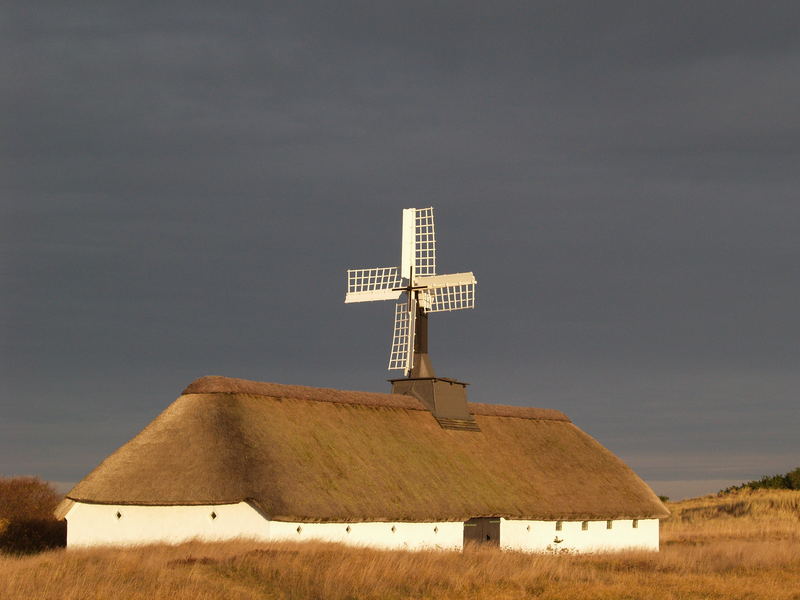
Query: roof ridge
218,384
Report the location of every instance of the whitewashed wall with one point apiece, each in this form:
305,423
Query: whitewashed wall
411,536
541,536
98,524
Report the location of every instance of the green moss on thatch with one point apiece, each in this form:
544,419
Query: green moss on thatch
309,454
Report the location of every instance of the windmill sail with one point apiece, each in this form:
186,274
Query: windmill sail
424,242
407,253
402,353
418,250
447,292
365,285
416,277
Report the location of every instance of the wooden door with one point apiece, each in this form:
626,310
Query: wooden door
483,530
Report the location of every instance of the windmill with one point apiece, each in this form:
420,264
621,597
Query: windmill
425,293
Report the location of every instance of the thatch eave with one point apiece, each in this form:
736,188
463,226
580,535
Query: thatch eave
62,508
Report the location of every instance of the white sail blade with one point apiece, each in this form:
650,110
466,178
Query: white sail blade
424,243
448,292
408,244
401,355
366,285
435,281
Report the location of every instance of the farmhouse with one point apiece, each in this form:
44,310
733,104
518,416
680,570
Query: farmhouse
420,467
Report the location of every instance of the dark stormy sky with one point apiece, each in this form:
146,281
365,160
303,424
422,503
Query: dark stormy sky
183,187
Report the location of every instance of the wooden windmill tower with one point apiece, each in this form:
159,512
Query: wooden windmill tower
425,293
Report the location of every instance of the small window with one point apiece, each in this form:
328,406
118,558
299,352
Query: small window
585,526
559,525
347,529
299,529
213,515
528,528
609,524
394,528
635,523
119,515
436,529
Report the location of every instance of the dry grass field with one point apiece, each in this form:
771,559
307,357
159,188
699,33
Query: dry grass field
743,545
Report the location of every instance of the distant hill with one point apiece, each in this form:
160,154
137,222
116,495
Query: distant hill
787,481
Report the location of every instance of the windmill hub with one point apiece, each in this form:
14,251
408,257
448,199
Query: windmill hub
426,292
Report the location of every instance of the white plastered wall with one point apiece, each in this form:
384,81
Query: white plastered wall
542,536
98,524
410,536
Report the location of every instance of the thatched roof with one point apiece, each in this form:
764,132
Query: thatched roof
312,454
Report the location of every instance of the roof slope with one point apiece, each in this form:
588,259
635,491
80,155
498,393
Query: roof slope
312,454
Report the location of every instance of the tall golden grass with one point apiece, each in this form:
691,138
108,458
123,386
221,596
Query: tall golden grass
752,515
745,545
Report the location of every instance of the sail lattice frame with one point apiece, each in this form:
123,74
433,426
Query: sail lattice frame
380,283
370,280
401,356
451,297
424,242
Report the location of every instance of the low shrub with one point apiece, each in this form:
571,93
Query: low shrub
33,535
787,481
27,523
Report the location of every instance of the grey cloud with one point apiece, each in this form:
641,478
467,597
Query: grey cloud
184,185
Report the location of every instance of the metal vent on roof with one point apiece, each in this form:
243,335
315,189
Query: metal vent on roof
458,424
445,398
